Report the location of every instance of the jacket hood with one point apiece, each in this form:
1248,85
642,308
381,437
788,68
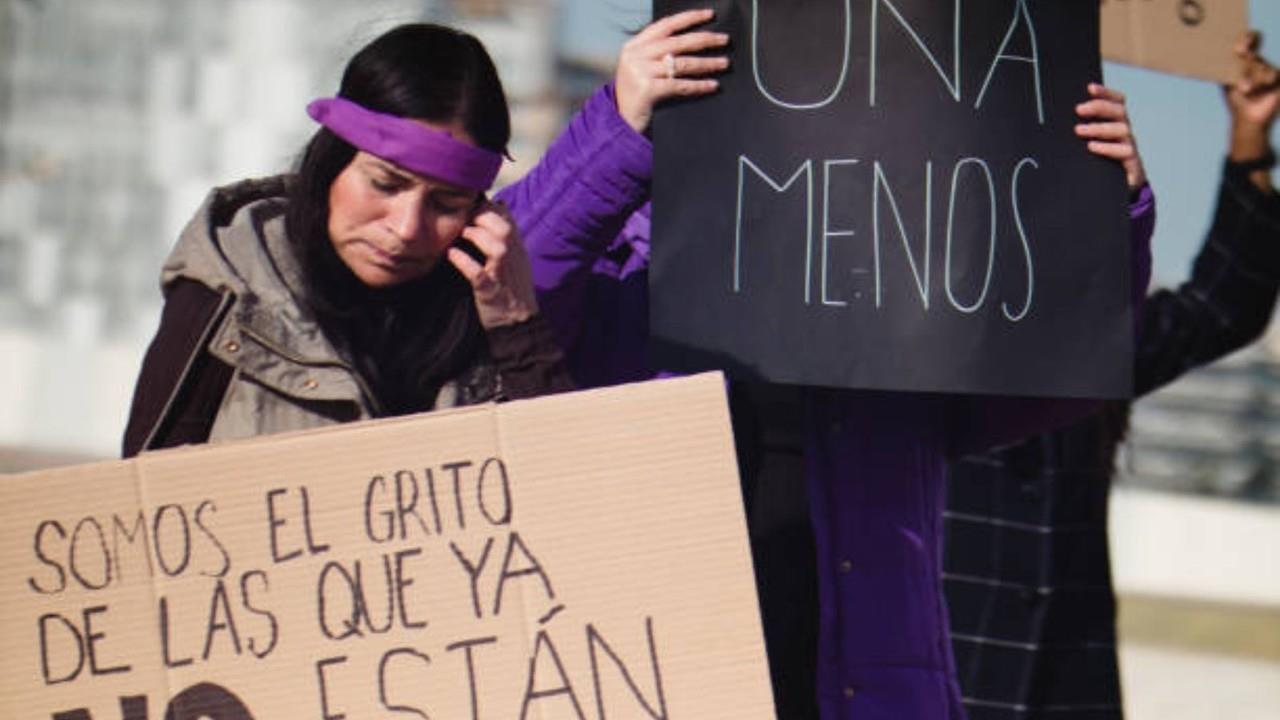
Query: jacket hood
236,229
237,244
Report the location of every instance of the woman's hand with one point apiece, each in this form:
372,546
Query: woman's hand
659,63
1253,99
503,285
1105,124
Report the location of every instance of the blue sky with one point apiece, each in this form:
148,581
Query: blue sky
1181,123
1182,133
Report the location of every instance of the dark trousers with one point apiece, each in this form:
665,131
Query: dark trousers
767,431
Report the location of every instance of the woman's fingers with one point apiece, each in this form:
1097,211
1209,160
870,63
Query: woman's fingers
693,42
672,24
491,247
1259,77
1248,43
1106,117
1104,130
693,66
492,234
1108,132
684,88
1113,150
663,61
502,282
490,227
1101,110
1099,90
470,269
1104,103
1106,106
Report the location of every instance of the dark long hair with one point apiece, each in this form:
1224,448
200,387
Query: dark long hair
407,340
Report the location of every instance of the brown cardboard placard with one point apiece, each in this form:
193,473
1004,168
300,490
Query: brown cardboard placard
1183,37
578,556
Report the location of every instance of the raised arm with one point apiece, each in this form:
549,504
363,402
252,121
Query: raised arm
572,206
1227,301
576,200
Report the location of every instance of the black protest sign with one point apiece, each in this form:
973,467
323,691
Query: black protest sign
889,194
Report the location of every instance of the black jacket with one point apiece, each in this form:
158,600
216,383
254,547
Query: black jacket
1027,573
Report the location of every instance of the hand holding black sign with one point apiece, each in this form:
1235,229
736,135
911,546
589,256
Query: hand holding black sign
1105,125
658,64
891,194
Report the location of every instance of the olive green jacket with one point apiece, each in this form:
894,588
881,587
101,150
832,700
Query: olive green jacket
238,355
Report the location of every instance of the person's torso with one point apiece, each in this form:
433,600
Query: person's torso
286,374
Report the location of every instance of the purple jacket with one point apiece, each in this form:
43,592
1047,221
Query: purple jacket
875,461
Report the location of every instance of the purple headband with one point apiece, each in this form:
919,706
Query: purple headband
409,144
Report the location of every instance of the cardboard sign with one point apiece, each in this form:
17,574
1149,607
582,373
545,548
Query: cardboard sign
1183,37
890,194
580,556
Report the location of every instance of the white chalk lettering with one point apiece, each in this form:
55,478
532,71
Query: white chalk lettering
827,232
952,83
921,278
1019,11
948,70
805,169
755,61
991,248
1022,237
916,241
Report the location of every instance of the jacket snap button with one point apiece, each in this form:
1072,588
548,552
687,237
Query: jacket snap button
846,567
232,346
310,384
849,693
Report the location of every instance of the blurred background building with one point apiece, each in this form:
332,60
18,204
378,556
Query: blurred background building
1215,432
117,116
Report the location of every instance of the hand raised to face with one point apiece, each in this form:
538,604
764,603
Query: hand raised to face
502,281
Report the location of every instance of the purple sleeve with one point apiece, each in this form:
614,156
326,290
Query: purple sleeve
1142,223
575,201
981,422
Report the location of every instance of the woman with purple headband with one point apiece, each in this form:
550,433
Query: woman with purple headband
377,279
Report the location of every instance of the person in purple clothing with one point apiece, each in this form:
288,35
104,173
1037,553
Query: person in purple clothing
378,278
845,488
